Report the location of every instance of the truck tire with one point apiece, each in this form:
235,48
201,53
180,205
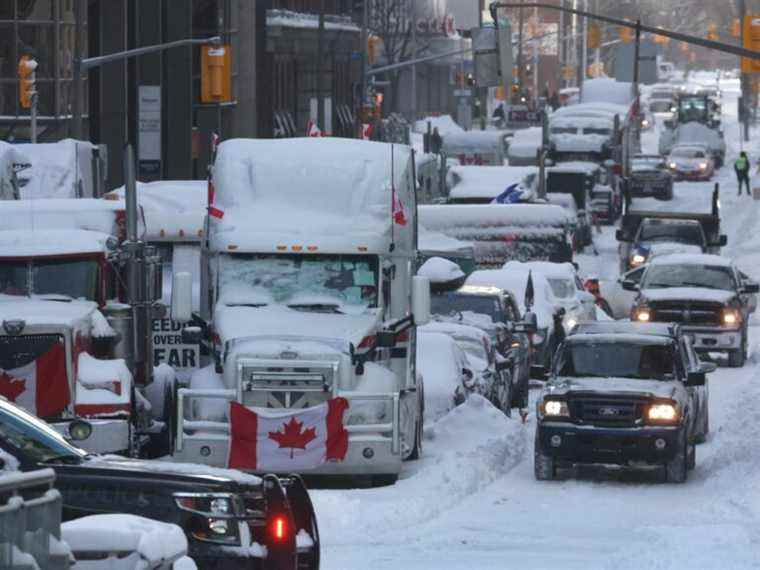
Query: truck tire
736,358
704,429
544,466
676,471
417,449
384,480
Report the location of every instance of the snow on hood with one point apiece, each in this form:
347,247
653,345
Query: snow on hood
279,321
546,268
25,243
669,247
697,133
440,270
692,259
174,468
40,312
610,386
607,90
525,143
57,169
60,214
449,217
484,181
688,294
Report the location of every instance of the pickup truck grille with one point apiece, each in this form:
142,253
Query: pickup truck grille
607,411
688,312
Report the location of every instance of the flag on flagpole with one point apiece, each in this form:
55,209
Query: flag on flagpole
529,293
367,130
399,213
40,386
287,440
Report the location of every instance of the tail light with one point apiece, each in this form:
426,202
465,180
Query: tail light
278,528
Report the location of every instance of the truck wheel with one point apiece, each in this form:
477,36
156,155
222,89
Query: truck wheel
736,358
676,471
544,466
384,480
704,429
417,449
691,463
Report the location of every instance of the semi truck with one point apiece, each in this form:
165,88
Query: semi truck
309,296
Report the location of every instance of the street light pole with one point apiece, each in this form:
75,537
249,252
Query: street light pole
413,108
744,110
78,104
320,68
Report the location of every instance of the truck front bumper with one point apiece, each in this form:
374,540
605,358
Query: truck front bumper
108,435
572,444
714,339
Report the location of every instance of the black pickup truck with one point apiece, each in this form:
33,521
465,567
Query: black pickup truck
232,520
623,394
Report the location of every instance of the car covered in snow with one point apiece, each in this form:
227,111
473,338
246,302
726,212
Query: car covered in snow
691,162
497,312
482,184
544,305
650,177
231,519
706,294
446,371
567,287
663,107
691,134
488,374
621,394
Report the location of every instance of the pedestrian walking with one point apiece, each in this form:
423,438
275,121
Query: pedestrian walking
741,166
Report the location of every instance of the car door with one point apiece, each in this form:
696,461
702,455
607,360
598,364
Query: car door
620,300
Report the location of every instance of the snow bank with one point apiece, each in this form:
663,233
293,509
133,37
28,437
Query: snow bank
440,362
465,451
155,541
484,181
439,270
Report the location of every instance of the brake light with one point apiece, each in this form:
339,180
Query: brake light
279,528
367,342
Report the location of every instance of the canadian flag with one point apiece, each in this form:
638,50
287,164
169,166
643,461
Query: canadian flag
41,387
287,440
213,210
312,130
399,214
367,130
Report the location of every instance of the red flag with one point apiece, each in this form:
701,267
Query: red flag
399,214
367,130
287,440
213,210
40,386
312,130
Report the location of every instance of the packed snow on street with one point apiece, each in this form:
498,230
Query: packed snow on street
472,500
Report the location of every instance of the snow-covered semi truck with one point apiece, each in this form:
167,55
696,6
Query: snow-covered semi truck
309,298
77,297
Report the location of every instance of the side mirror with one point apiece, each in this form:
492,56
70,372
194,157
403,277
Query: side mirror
629,285
192,335
182,297
529,324
620,235
539,372
502,365
708,367
421,300
695,379
721,241
751,287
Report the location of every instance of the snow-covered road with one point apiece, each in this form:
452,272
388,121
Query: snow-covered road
472,502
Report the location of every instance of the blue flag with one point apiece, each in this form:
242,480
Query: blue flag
511,195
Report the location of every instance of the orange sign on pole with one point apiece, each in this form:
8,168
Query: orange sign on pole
216,74
752,42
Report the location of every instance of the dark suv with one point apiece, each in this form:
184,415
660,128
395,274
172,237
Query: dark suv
625,394
231,519
496,311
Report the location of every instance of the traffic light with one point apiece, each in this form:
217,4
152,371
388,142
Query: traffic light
594,39
216,74
374,43
712,33
626,34
26,81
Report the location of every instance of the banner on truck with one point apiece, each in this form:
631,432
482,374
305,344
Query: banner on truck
168,346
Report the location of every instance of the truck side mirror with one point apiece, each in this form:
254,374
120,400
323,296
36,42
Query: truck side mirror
182,297
629,285
722,240
529,324
750,287
695,379
421,300
620,235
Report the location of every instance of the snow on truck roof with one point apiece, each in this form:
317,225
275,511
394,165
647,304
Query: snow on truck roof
38,311
311,190
31,243
443,218
174,210
484,181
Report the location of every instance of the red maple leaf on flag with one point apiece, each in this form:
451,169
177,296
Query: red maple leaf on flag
292,436
11,387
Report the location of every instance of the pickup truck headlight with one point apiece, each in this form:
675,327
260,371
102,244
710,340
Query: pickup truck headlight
555,409
214,512
703,166
642,314
731,317
637,259
662,413
673,165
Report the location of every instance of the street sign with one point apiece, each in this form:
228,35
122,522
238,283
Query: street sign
149,131
751,41
486,57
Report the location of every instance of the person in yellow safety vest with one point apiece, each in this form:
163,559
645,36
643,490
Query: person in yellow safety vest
741,166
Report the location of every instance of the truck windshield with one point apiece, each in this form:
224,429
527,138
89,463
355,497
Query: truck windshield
34,438
616,360
707,276
453,303
75,278
683,233
329,283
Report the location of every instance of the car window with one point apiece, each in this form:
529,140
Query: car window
689,275
635,275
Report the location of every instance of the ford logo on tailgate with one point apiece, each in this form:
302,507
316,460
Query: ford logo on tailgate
607,412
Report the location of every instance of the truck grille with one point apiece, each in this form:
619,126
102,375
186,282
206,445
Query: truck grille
18,351
287,386
607,411
691,313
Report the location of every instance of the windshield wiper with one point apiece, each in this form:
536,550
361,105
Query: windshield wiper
317,307
254,305
63,458
702,285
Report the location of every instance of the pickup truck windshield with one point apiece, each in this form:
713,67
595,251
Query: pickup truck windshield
34,438
664,231
321,283
707,276
453,303
616,360
76,278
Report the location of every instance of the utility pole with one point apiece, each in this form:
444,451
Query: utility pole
744,108
520,67
78,106
365,57
320,67
413,108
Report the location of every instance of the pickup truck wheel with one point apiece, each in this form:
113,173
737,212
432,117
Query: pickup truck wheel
692,457
736,358
544,467
676,471
384,480
704,429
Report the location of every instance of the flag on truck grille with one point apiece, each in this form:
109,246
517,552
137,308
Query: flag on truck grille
287,440
41,386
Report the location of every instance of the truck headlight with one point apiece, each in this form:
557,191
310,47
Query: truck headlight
667,413
642,314
731,317
555,409
703,166
212,513
637,259
673,165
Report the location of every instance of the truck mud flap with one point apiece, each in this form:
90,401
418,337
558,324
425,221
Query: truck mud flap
280,530
306,519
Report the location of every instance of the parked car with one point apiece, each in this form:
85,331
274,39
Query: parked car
490,374
446,371
497,312
650,177
623,394
691,162
231,519
707,294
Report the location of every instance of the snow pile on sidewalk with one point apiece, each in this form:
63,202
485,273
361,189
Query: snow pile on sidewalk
465,451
